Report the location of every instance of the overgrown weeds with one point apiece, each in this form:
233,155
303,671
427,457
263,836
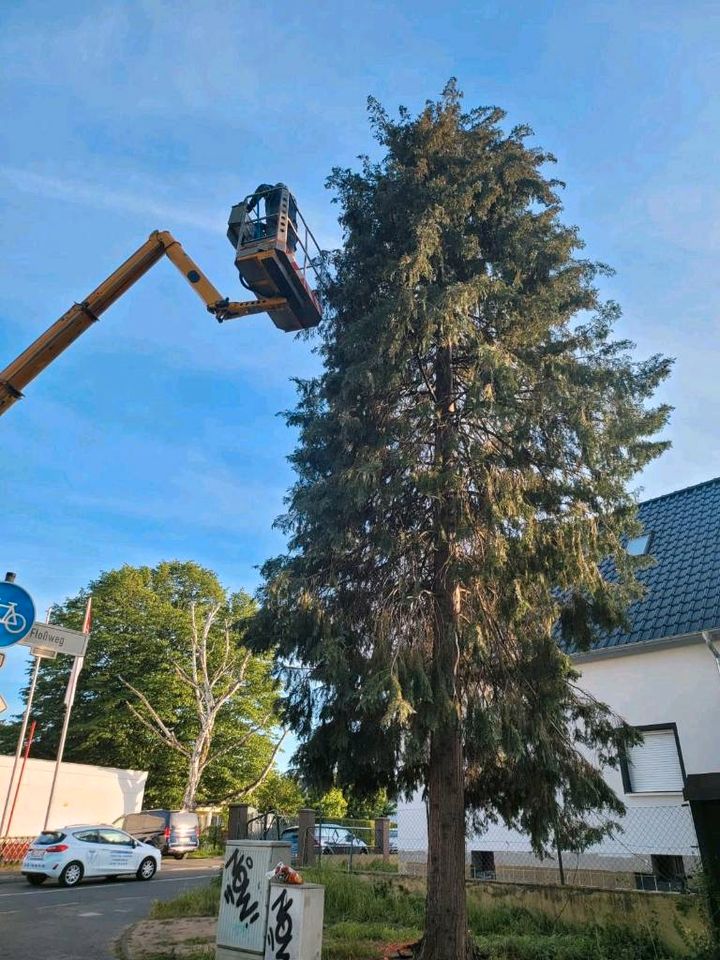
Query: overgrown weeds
364,914
198,902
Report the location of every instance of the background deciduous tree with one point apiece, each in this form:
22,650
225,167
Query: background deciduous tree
462,470
279,793
330,804
371,807
142,629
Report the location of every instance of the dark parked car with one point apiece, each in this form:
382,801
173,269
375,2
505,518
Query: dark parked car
173,832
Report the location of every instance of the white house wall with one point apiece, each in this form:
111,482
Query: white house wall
84,794
678,685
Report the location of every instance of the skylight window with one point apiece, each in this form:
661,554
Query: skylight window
638,545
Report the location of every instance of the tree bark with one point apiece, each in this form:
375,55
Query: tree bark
193,781
446,931
196,767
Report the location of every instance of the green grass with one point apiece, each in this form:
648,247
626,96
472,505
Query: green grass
371,865
199,902
350,940
367,901
513,933
204,853
362,914
207,953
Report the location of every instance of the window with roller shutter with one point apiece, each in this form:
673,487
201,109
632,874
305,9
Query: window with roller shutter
655,765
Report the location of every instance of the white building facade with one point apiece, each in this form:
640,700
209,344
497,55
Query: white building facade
84,794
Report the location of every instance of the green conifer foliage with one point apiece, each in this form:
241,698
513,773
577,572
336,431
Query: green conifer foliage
462,469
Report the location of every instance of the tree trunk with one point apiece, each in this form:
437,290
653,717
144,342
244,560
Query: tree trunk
196,767
446,933
193,781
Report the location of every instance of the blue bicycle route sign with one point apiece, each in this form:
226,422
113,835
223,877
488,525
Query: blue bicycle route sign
17,613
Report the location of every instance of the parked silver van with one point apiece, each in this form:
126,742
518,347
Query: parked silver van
173,832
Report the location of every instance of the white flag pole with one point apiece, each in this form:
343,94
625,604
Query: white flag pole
68,700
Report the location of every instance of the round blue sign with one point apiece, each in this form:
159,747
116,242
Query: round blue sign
17,613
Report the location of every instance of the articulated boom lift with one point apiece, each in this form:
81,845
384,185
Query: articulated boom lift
276,256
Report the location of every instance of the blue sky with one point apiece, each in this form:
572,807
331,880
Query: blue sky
156,435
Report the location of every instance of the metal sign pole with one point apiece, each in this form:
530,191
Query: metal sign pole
63,736
21,740
69,700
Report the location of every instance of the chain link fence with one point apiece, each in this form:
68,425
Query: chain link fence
338,839
655,850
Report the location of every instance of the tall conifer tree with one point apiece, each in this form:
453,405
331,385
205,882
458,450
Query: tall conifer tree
462,470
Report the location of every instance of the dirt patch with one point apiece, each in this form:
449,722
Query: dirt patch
399,951
175,938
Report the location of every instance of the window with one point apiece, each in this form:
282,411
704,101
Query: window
48,838
87,836
143,823
668,867
116,837
638,546
482,864
655,766
668,874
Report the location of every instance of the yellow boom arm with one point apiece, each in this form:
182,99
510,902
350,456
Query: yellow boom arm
40,354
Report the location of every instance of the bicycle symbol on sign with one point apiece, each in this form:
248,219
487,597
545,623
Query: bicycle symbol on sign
13,621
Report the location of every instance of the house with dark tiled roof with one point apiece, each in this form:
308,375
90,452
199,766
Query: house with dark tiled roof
662,676
681,531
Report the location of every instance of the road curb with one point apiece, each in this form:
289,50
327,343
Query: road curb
171,937
120,946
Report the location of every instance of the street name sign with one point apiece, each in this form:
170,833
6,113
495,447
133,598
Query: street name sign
17,613
54,639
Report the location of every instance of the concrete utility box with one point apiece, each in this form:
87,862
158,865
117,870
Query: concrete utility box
295,922
244,897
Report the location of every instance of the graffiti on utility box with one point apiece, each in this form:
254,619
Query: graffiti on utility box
236,888
280,927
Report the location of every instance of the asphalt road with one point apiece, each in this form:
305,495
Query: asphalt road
82,923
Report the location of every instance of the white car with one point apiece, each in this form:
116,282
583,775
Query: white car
88,850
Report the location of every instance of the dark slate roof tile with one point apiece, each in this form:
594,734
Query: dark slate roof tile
683,586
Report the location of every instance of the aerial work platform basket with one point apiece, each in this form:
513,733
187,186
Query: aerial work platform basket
277,256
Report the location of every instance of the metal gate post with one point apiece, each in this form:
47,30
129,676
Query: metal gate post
306,837
238,821
382,837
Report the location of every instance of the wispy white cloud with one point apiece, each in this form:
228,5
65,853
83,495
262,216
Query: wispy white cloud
212,477
99,195
204,500
139,57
